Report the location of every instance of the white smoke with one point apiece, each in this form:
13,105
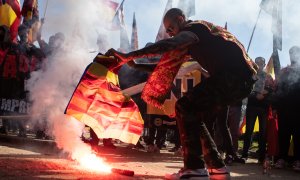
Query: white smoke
51,87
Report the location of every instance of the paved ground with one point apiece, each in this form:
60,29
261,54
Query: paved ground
26,158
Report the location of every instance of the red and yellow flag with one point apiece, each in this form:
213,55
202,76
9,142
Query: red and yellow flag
99,103
30,13
270,68
10,16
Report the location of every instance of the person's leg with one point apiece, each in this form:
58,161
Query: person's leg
176,137
234,117
4,128
224,130
296,140
161,136
152,132
210,122
250,122
218,137
262,118
193,131
211,94
212,157
189,129
284,134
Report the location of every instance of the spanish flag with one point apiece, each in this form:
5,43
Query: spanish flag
10,16
270,68
99,103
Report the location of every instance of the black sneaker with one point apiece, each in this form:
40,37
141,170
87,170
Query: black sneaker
239,160
228,160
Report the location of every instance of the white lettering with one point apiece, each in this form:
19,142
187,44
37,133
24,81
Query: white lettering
22,108
14,105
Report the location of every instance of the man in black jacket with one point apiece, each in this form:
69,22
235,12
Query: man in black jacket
231,79
258,106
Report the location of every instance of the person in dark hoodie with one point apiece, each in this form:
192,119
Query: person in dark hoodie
231,79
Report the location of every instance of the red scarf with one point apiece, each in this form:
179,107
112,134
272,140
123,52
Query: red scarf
160,82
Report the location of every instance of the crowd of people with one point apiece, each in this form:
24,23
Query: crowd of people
18,60
208,117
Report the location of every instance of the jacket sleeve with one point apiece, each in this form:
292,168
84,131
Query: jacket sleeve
180,41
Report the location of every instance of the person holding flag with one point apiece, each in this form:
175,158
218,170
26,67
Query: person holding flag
259,102
231,79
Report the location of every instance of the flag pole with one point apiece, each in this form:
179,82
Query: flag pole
119,7
253,30
46,9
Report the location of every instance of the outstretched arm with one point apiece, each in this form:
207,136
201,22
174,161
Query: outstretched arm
142,66
180,41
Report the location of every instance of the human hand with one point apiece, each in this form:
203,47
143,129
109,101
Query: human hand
120,56
131,63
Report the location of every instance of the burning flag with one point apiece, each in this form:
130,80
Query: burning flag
10,16
99,103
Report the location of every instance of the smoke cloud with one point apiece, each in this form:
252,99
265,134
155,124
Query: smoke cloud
52,86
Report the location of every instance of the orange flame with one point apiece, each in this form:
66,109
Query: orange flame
93,163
